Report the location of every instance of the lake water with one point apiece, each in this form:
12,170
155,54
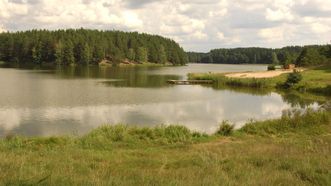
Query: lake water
74,100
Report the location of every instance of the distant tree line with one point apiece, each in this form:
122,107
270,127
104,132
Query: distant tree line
83,46
301,56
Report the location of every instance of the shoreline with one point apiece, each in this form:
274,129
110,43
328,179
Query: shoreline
260,74
294,150
316,80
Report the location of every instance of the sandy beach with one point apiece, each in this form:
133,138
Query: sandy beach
261,74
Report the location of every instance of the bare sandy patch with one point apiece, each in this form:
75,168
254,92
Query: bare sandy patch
261,74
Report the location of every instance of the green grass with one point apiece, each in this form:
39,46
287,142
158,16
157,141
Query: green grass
293,121
292,150
315,80
221,80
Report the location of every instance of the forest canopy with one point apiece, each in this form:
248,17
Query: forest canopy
301,56
83,46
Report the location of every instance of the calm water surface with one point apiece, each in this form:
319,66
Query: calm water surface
74,100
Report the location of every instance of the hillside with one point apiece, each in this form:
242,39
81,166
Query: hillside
82,46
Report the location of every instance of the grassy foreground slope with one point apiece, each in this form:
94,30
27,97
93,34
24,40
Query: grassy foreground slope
293,150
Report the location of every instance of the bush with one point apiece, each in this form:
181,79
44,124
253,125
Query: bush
225,129
271,67
292,79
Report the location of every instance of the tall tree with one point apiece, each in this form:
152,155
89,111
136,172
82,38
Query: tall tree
59,53
274,59
86,54
98,54
162,55
68,53
142,55
37,53
309,57
131,54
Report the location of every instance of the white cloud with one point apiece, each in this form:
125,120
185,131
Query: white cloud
132,20
272,34
197,24
200,35
8,10
220,36
278,15
321,28
2,29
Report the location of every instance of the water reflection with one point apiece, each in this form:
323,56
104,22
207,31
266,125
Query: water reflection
302,100
46,102
201,115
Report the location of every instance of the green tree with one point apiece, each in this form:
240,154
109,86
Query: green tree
86,54
142,55
292,79
118,56
328,54
310,56
274,59
68,53
131,54
59,46
162,55
98,54
59,53
37,53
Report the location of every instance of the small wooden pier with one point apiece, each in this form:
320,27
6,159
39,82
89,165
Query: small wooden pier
189,82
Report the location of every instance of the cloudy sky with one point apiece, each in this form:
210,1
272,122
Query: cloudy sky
198,25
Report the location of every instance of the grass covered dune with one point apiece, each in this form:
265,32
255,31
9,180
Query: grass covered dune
292,150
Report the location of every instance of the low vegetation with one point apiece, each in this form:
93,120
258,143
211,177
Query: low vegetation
225,129
293,121
221,79
292,79
294,149
314,80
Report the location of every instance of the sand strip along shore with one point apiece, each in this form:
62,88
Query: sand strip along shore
261,74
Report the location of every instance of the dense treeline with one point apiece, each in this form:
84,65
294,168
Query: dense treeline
82,46
302,56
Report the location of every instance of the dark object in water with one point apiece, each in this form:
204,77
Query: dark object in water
189,82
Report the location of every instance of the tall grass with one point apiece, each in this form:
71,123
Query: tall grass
291,121
110,135
225,129
169,155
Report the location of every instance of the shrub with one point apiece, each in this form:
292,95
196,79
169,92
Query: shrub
225,129
176,133
271,67
292,79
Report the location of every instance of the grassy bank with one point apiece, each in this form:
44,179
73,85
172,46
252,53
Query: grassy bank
315,80
222,80
292,150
